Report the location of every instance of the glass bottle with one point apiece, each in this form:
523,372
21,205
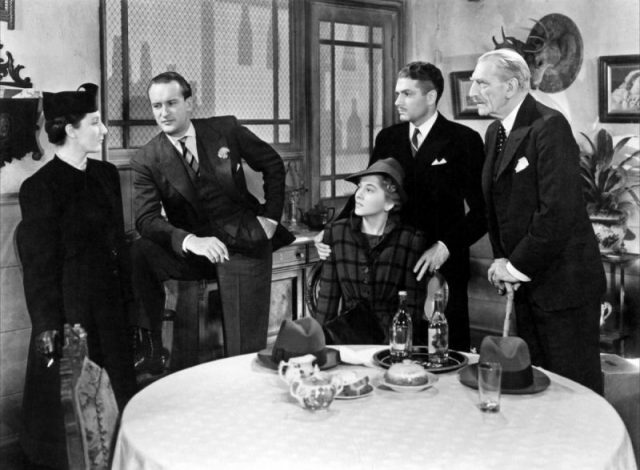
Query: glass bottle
438,335
401,331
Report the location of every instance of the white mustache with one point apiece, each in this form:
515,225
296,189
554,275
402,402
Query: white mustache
471,100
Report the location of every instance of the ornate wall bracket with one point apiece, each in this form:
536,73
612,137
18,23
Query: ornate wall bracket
18,125
7,68
18,116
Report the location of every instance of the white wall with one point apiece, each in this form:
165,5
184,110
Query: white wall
57,42
452,34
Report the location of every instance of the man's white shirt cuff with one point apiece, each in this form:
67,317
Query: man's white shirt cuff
445,246
184,242
517,274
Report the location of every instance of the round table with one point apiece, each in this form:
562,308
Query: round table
235,414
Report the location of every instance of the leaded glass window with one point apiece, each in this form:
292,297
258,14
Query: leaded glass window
235,54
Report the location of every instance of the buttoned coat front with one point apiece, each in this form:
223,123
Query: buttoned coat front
371,276
442,181
163,181
536,213
76,269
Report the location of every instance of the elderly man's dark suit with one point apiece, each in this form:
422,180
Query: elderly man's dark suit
537,219
444,174
215,203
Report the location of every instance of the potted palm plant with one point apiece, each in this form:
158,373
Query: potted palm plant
605,186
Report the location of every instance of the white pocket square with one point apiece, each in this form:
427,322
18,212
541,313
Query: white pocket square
522,164
439,162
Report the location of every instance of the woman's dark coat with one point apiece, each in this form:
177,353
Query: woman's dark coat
75,263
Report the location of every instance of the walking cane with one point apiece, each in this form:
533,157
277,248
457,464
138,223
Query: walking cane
507,317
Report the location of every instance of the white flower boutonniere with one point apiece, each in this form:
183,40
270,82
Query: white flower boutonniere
223,153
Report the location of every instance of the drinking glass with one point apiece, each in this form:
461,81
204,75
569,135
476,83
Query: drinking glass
489,380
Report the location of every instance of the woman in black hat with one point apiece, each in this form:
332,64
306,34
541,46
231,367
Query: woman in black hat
372,256
75,265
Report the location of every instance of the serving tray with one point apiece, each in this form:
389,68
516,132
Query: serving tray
420,355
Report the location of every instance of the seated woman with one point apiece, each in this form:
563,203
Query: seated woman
372,258
75,264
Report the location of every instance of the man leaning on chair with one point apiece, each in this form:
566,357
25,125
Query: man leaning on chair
212,227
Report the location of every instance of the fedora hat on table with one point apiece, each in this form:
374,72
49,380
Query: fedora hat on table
298,338
518,376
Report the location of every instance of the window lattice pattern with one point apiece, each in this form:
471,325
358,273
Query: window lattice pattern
227,49
350,101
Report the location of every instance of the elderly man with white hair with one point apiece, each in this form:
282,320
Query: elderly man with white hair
543,243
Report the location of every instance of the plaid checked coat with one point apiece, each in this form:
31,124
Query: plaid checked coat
371,276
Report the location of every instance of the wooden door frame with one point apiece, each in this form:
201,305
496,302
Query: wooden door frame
394,57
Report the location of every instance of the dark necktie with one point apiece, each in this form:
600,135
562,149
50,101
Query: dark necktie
414,141
188,156
500,140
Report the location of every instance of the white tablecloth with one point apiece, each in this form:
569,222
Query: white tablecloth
235,414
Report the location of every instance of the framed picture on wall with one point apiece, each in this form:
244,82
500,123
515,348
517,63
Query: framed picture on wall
463,106
619,88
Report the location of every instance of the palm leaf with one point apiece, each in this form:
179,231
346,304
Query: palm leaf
593,147
633,194
602,177
614,179
628,159
592,157
604,143
621,143
603,184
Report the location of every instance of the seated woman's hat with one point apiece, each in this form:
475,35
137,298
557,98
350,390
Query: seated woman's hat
82,101
386,167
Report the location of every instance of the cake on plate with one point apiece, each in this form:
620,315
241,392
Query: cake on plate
407,373
353,385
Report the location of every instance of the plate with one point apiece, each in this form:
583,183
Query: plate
420,355
410,388
366,391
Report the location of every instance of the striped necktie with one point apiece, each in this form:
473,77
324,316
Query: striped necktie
188,156
414,141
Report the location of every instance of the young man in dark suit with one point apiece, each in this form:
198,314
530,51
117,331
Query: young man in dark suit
442,161
543,243
211,225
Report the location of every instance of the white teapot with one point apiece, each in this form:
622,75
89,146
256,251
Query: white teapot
297,368
317,391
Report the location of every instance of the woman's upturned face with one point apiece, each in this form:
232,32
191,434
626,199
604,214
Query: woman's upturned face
90,133
370,197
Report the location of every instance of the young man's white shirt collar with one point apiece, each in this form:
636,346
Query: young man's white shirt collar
424,129
191,144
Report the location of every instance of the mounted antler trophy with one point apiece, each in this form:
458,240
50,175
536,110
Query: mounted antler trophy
553,52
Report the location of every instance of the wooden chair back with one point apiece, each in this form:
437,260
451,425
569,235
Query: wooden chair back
88,402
